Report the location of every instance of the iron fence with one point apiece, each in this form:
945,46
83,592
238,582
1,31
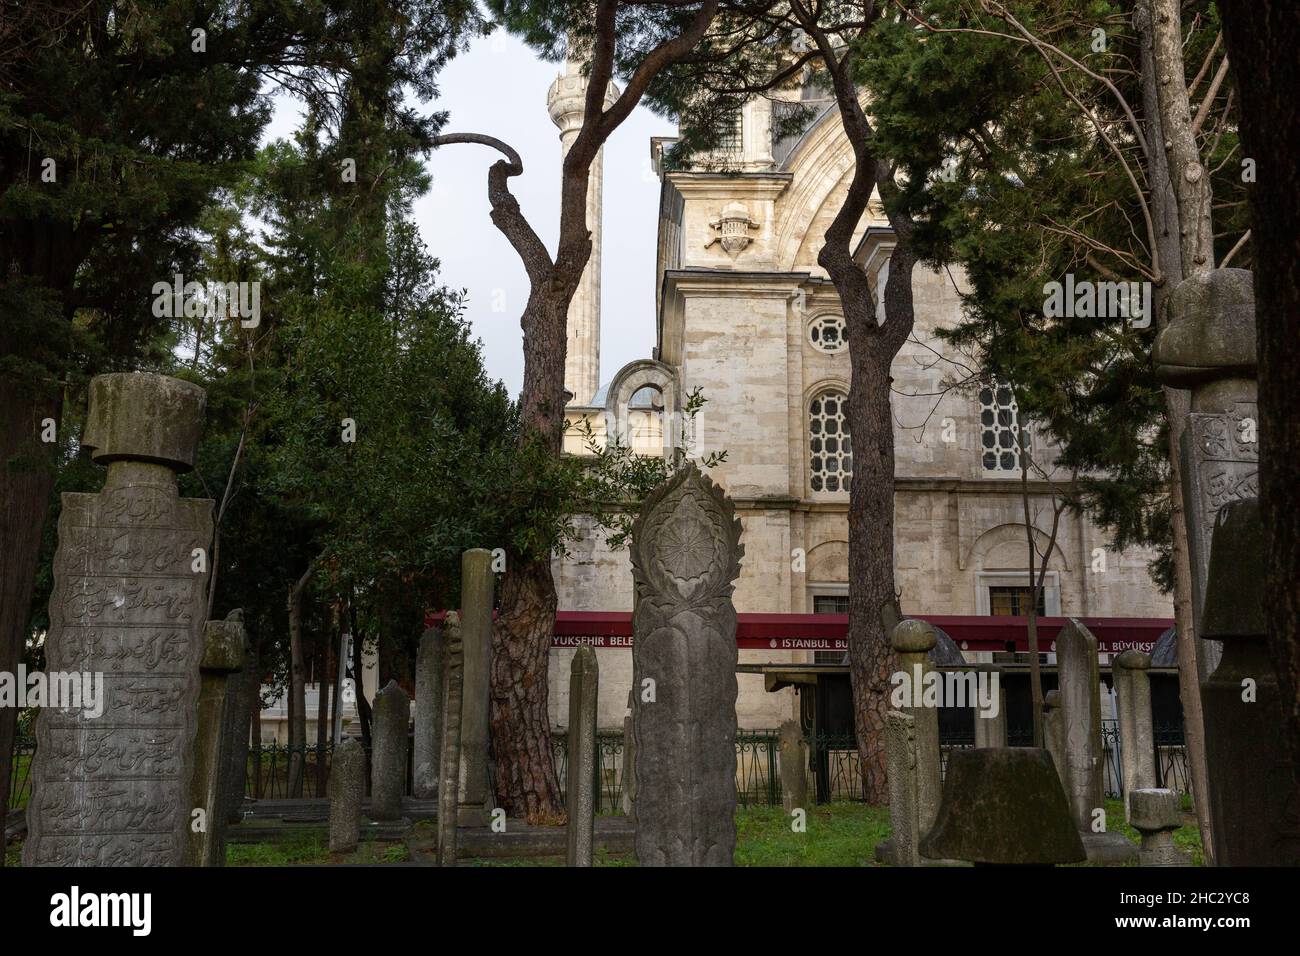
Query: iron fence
834,771
20,776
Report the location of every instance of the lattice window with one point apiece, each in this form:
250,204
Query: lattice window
1015,601
826,332
830,450
999,433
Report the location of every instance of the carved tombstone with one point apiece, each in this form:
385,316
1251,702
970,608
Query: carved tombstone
428,713
1208,347
130,604
1080,736
223,656
392,717
900,770
685,555
793,751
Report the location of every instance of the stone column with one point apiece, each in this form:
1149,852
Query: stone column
476,591
223,655
428,713
903,846
391,717
584,680
453,677
794,766
242,690
347,786
1078,672
991,731
566,103
1208,347
1156,815
686,554
1254,801
913,640
128,608
1137,738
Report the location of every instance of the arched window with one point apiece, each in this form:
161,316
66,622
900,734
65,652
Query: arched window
645,421
830,450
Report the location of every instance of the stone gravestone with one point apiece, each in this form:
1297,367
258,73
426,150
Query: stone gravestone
1208,347
428,713
1137,739
391,717
903,846
991,730
477,583
686,554
629,763
223,655
1254,801
242,690
794,766
1003,806
1078,672
347,786
1053,740
913,640
584,681
1156,815
129,603
448,798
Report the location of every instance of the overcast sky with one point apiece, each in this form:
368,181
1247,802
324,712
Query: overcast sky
499,87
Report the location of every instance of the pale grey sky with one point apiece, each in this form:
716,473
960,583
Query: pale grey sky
499,87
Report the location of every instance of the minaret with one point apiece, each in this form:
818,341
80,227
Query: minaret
567,104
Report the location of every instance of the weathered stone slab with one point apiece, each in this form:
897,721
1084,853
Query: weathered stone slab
477,583
223,655
685,557
629,763
793,757
129,604
428,713
991,729
1254,801
1003,806
584,681
347,787
391,718
913,640
448,795
1136,727
1080,687
904,845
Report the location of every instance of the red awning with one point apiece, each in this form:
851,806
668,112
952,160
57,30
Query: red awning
828,632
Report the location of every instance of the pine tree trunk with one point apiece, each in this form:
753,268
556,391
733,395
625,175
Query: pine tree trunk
526,782
1169,252
26,480
297,687
873,600
1262,38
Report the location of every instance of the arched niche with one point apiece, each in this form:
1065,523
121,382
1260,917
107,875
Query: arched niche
630,409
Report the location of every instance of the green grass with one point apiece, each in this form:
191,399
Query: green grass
837,834
311,850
